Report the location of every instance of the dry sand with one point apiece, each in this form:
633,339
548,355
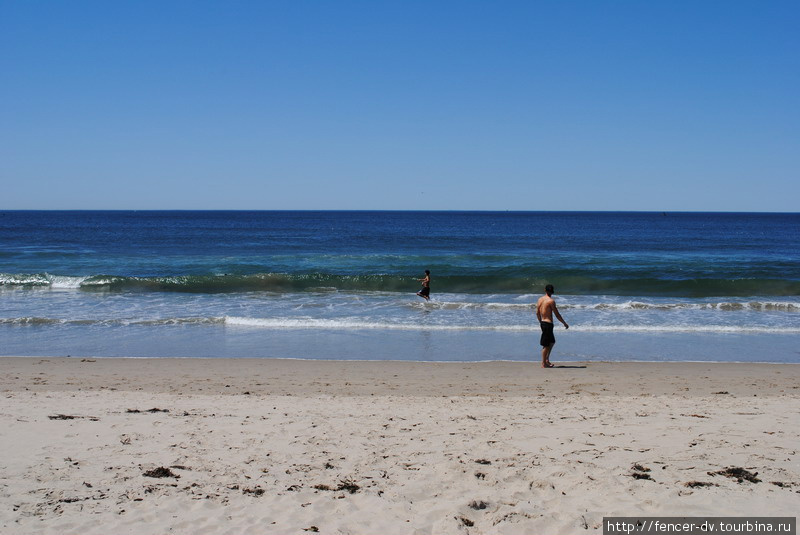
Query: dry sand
283,446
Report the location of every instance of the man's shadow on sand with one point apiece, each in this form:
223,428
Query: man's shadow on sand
562,366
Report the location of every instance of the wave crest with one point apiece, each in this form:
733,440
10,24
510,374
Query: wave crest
466,284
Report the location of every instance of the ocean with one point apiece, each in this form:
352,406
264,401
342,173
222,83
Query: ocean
341,285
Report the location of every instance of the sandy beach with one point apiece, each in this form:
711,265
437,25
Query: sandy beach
218,446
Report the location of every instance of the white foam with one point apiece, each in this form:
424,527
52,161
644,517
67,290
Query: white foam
724,305
708,329
65,282
23,280
346,324
466,305
349,324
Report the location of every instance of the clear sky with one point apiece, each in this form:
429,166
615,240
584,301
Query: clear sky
556,105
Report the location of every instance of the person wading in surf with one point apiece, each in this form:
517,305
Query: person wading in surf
426,286
545,308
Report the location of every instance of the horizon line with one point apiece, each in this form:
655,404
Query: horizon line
395,210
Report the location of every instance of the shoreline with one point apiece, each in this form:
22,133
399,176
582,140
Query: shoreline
411,378
282,446
487,361
196,341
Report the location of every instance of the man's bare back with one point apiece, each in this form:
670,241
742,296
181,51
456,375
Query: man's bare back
544,308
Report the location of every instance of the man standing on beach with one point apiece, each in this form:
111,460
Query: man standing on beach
545,308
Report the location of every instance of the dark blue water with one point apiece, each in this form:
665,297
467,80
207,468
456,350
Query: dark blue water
685,254
666,286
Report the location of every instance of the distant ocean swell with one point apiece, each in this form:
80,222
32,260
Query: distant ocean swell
476,284
360,324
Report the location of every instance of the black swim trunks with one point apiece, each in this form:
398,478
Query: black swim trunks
424,292
547,334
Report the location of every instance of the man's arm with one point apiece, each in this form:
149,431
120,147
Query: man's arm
538,311
558,315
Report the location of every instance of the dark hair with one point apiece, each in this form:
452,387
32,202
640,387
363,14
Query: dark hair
427,271
549,289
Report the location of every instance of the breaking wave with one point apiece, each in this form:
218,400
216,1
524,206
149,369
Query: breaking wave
356,324
469,284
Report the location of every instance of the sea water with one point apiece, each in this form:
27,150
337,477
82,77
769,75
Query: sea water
341,285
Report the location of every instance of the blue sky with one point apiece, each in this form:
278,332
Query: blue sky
595,105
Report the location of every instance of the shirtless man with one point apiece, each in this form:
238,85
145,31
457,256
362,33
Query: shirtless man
425,292
545,308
